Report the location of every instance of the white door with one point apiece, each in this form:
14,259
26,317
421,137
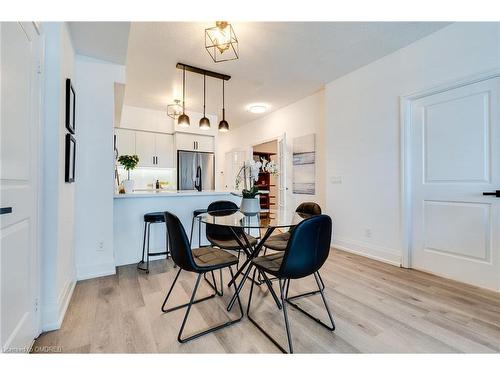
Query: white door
125,141
455,158
145,148
20,102
185,142
282,187
164,150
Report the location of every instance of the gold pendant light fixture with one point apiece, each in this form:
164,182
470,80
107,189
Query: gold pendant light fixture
174,110
223,125
204,121
183,119
221,42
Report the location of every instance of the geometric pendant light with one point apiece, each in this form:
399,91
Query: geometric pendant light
221,42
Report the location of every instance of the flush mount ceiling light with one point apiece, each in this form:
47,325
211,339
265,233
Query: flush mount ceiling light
221,42
223,125
174,110
257,108
183,119
204,121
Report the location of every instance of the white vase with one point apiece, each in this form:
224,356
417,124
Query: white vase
250,205
128,185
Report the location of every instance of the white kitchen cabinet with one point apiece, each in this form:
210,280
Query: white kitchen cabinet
125,141
145,148
194,142
164,150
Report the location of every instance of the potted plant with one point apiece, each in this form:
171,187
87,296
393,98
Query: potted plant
129,162
249,175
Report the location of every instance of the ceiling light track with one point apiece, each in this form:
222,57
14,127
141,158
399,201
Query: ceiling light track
209,73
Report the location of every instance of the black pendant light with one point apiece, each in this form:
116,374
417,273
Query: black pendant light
183,119
223,125
204,121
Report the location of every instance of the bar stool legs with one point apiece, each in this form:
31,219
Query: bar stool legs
145,249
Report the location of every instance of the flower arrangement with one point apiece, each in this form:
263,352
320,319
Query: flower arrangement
249,175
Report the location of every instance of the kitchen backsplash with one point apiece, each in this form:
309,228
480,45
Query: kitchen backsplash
145,178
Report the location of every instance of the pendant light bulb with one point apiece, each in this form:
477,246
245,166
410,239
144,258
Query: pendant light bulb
204,121
183,119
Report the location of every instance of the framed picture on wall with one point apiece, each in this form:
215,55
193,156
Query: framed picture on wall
69,174
70,106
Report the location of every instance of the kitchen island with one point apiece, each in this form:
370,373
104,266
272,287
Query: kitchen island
129,210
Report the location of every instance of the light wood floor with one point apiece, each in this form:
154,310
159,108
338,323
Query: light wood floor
378,308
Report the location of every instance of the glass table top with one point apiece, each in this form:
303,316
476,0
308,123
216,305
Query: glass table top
275,218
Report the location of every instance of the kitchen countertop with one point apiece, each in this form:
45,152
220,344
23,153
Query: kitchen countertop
170,193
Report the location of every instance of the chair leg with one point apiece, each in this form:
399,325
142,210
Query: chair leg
191,235
146,230
214,285
143,249
180,306
262,329
285,315
210,330
318,282
321,287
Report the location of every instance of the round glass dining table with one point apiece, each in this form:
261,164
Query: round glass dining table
236,222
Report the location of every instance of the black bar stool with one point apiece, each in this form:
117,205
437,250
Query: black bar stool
152,218
197,212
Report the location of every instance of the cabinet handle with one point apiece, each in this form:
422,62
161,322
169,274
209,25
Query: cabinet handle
5,210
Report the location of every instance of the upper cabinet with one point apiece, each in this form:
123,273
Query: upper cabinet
125,141
154,149
146,119
194,142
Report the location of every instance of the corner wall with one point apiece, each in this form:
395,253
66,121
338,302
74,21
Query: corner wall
94,165
58,197
363,131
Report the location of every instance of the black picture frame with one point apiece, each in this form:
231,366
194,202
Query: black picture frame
70,106
69,170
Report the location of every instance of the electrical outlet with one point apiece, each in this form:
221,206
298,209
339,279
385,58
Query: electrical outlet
100,246
368,233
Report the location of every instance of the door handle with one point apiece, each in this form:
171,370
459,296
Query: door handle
5,210
496,193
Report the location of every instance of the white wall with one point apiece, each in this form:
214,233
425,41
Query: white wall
303,117
58,197
95,165
363,130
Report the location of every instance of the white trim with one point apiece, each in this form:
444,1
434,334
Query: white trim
405,152
95,270
54,313
380,253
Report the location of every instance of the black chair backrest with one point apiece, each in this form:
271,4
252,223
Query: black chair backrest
179,243
308,247
220,208
309,208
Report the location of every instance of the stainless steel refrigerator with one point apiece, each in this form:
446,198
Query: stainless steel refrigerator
195,170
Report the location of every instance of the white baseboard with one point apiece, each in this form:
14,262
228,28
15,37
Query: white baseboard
96,270
53,313
375,252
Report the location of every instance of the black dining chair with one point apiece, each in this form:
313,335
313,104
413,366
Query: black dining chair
200,261
306,252
279,241
222,237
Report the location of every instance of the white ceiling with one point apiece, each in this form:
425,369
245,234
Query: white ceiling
103,40
280,62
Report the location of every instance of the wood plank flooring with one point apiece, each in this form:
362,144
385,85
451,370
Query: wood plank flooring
378,308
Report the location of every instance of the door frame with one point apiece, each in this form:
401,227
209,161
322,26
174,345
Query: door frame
282,169
406,212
